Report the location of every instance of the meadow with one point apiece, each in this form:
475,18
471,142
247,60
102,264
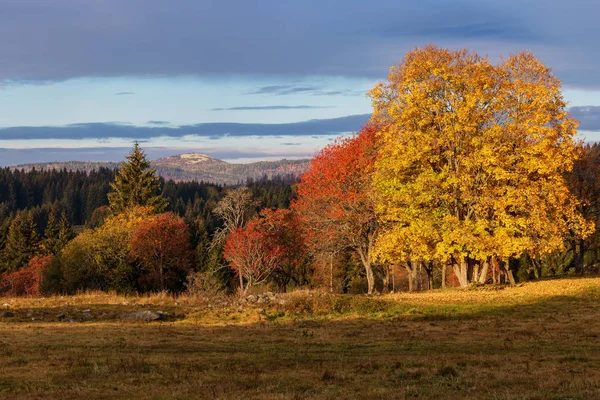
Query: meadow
539,340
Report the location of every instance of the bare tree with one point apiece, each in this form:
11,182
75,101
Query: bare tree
234,210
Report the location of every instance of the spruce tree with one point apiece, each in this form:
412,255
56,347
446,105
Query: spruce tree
57,234
65,232
51,238
136,184
22,242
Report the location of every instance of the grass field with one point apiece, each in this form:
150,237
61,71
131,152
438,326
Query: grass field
536,341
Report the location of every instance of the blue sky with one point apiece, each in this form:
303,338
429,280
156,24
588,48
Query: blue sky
244,80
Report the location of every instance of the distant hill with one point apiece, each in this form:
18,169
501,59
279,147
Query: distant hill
194,166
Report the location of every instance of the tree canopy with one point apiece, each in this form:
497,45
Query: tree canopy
335,198
472,160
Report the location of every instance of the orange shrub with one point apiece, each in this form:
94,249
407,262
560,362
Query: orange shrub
25,281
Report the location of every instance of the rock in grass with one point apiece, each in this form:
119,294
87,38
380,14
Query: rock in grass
145,316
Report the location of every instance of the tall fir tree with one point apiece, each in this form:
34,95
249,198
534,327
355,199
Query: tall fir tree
57,234
136,184
51,239
65,232
22,242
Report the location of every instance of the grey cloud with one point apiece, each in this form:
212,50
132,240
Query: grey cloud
124,93
151,122
588,116
283,90
340,93
500,30
62,39
214,130
270,108
291,144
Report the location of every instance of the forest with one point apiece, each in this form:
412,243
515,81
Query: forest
468,173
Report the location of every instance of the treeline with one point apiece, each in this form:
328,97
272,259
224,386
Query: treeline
468,173
42,212
78,194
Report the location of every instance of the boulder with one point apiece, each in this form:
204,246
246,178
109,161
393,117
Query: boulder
145,316
252,299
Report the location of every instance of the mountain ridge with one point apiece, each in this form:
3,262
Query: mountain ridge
192,167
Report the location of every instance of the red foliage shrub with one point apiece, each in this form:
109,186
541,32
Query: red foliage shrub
252,252
26,281
161,245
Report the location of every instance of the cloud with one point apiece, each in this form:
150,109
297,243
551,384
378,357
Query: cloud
311,37
291,144
270,108
214,130
588,116
124,93
151,122
340,93
283,90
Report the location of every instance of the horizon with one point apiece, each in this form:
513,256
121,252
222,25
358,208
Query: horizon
82,81
232,161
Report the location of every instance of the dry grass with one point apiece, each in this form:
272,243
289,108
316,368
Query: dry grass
537,341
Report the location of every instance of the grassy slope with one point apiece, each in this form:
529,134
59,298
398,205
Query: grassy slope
537,341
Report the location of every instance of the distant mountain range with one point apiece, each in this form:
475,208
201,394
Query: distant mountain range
194,166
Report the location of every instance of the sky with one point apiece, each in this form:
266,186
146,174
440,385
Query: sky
249,79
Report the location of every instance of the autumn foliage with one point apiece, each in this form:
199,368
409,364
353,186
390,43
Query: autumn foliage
284,228
335,201
161,245
466,166
472,161
252,253
25,281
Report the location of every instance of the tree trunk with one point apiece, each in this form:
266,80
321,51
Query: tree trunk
386,279
509,274
366,260
461,272
283,284
429,270
412,268
581,256
511,277
495,271
494,274
370,279
538,267
331,273
475,274
430,275
242,284
444,275
484,272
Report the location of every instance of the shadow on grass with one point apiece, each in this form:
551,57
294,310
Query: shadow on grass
88,313
318,346
320,308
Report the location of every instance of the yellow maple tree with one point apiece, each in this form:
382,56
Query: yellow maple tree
473,160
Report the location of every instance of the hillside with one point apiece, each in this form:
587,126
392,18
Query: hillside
194,166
